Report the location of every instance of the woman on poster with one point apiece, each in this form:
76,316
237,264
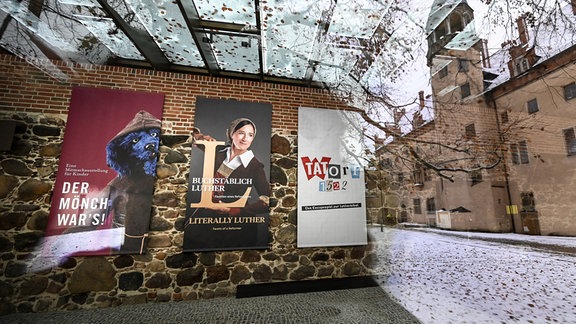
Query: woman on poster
238,169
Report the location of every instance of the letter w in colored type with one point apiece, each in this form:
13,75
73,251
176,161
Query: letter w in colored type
315,167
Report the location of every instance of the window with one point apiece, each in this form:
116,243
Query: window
417,206
441,31
476,177
504,117
532,106
521,65
420,175
462,65
466,18
519,153
427,175
525,65
570,91
524,159
514,153
470,131
430,205
465,90
528,202
456,23
570,140
443,72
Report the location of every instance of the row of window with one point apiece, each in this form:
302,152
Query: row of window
526,198
532,105
422,175
430,205
519,151
463,66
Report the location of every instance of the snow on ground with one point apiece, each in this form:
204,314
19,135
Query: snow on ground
448,279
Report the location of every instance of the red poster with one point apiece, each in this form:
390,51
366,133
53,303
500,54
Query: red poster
102,197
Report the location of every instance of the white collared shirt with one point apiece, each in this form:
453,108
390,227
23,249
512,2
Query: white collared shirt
243,159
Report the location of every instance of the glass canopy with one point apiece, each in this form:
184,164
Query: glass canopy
296,42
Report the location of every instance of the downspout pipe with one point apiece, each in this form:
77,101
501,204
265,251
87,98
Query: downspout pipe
492,100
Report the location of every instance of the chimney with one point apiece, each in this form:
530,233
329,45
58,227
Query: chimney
398,114
574,7
417,120
485,55
522,29
421,97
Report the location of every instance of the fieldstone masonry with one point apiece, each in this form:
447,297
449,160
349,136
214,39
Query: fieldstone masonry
165,272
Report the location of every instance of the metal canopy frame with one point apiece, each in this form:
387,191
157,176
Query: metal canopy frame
299,42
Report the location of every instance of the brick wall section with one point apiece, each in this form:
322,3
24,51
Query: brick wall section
29,89
27,174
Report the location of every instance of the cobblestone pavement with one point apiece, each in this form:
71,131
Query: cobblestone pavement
359,305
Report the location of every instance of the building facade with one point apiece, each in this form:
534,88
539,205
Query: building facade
515,110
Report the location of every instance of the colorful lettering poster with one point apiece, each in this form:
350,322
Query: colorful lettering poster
331,189
102,198
229,183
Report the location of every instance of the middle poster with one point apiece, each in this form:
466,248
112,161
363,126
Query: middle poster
229,186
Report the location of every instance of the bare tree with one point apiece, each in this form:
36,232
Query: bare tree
440,143
386,63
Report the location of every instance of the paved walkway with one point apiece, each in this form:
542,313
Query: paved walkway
358,305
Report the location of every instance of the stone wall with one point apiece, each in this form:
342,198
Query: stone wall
164,273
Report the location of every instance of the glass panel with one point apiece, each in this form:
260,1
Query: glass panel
98,31
230,11
299,39
290,37
71,40
116,41
85,3
236,52
367,16
335,63
165,23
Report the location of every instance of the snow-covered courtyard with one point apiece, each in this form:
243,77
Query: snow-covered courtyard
457,277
